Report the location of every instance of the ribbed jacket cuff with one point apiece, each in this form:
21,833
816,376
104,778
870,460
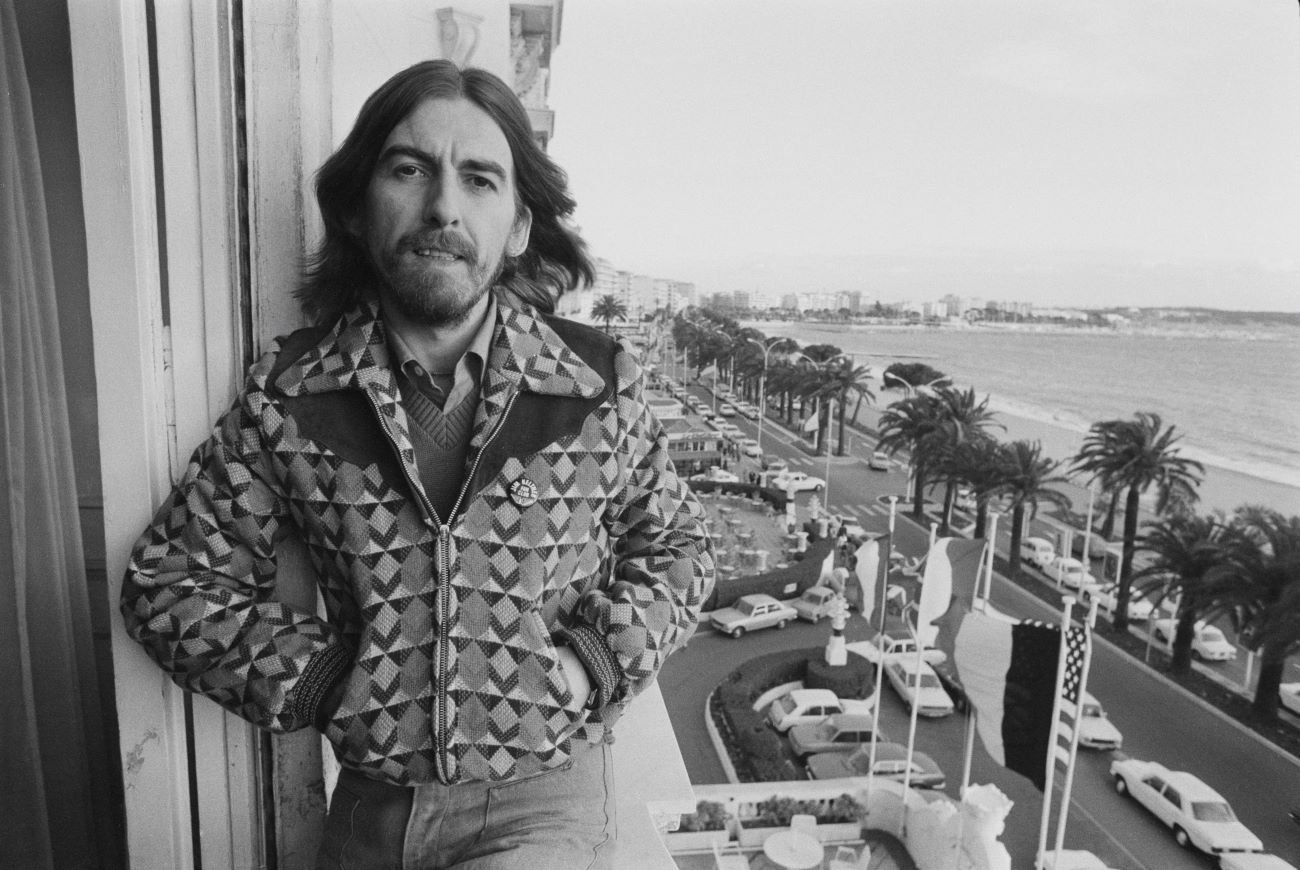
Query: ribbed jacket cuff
590,648
323,670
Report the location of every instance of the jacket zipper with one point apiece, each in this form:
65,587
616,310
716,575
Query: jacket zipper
444,573
444,583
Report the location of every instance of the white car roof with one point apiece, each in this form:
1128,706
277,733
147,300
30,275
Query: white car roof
1192,787
814,696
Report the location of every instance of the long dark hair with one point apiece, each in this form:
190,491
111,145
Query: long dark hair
339,274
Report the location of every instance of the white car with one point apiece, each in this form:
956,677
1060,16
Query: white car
918,686
749,447
752,612
726,409
1139,608
1252,861
1037,552
1197,814
851,527
803,707
798,481
748,410
1208,642
1070,573
1096,731
895,647
714,475
879,461
1288,695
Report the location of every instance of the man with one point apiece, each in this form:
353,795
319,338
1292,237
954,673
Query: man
505,553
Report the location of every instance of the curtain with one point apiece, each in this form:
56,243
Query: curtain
50,733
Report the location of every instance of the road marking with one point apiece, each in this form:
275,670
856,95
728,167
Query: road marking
1096,823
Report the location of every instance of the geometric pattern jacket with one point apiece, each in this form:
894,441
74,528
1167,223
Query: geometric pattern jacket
572,523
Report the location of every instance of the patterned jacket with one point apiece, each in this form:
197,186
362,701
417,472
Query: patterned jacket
572,523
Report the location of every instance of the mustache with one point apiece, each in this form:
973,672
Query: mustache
447,241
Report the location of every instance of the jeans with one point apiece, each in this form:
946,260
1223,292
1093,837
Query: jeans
560,819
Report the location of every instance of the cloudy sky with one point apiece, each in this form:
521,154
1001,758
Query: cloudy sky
1084,152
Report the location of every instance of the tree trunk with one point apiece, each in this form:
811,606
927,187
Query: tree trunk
1017,530
1108,526
1272,666
918,494
839,448
1180,656
1124,592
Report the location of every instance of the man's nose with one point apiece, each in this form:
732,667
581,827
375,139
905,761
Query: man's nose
442,203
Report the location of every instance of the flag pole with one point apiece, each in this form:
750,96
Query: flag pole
1067,605
968,750
916,691
968,747
1063,814
889,552
830,417
880,657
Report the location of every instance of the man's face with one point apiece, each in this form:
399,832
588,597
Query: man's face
440,211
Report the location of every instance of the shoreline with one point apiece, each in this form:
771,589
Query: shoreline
1222,489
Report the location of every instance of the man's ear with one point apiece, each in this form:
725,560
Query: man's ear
517,243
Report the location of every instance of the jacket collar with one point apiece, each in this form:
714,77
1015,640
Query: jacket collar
526,354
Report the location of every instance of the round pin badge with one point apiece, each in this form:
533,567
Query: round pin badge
523,492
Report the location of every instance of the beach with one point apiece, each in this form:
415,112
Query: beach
1222,489
1230,397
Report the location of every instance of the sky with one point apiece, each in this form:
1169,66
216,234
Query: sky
1086,153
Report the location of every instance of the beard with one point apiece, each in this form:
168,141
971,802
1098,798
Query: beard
427,293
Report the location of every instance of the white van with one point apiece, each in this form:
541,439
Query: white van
1037,552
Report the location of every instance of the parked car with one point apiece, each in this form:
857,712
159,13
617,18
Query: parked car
857,534
1288,695
798,480
750,448
748,410
964,500
918,686
1139,608
1096,731
891,763
1197,814
1037,552
726,409
803,707
714,475
1208,642
1253,861
730,431
840,732
752,612
814,603
879,461
892,647
1070,573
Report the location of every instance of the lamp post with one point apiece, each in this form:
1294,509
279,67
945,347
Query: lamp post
762,388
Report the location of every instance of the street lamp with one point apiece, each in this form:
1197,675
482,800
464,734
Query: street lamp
762,388
908,386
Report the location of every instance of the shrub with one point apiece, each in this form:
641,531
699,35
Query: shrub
708,816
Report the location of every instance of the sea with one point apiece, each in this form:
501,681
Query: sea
1234,397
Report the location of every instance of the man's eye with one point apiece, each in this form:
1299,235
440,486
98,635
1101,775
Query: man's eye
408,170
481,182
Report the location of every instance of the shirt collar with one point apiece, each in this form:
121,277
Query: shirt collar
480,345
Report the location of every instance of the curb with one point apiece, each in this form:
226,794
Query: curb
719,748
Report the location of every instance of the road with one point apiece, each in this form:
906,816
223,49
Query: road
1159,721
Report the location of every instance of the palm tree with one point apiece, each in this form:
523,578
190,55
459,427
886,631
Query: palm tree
1260,584
843,379
1030,478
1136,455
1184,548
609,308
909,424
978,464
964,418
